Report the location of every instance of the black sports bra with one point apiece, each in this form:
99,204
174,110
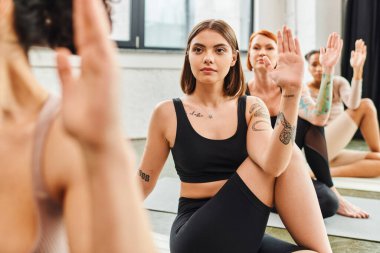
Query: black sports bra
198,159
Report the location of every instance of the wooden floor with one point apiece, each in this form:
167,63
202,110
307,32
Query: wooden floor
161,222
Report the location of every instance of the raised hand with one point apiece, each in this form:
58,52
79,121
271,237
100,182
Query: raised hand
330,55
288,73
89,104
358,55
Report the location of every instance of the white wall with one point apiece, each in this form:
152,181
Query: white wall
149,77
311,20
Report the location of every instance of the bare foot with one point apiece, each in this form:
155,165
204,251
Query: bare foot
350,210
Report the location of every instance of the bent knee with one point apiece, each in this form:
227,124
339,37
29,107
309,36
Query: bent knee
367,105
373,156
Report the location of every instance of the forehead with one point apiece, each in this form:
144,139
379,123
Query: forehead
263,40
209,37
314,57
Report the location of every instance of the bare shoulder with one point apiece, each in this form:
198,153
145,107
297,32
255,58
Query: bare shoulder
164,121
164,109
340,80
256,108
254,101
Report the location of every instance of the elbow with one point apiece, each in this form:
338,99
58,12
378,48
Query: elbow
147,189
275,171
320,121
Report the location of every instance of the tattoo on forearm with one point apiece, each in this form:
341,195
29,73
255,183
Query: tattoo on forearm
287,134
256,127
144,176
324,97
288,96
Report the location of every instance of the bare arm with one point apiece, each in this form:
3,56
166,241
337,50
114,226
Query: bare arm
90,115
318,112
351,96
263,143
156,148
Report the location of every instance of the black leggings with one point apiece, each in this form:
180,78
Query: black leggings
234,220
312,139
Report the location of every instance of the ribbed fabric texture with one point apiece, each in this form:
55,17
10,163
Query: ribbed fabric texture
51,233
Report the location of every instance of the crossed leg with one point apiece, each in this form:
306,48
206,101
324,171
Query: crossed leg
294,196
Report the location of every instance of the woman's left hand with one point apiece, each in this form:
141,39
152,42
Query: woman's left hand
358,55
288,73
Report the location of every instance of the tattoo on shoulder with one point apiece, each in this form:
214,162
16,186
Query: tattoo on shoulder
144,176
287,134
258,109
260,125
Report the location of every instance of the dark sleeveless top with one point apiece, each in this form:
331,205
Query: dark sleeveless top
198,159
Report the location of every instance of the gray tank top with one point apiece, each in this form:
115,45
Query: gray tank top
51,236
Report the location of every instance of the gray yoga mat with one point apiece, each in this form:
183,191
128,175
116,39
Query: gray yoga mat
165,196
361,184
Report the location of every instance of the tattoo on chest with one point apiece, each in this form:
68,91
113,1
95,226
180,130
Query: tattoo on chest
144,176
287,134
199,115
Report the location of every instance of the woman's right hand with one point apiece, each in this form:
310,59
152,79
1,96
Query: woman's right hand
330,55
288,73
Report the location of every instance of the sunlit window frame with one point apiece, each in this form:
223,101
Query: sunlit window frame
137,29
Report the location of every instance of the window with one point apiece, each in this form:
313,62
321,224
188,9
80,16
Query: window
165,24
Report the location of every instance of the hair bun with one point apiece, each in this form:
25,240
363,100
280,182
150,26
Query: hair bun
45,23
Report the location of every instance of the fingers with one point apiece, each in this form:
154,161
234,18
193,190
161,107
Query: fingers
286,42
64,69
329,40
298,47
90,22
286,39
322,51
340,46
268,63
290,40
280,44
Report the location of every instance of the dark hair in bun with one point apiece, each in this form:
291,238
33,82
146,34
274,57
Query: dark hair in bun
45,23
309,54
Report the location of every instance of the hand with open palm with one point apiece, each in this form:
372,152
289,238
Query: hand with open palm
288,73
330,55
358,56
89,103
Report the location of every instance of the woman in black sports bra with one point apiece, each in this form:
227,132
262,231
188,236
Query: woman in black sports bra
312,115
233,166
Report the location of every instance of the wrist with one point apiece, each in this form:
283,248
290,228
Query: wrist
328,70
358,74
291,93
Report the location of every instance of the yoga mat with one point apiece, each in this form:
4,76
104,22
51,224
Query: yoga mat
361,184
162,242
165,196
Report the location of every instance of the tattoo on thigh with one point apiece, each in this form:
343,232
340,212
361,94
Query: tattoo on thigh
144,176
287,134
256,127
